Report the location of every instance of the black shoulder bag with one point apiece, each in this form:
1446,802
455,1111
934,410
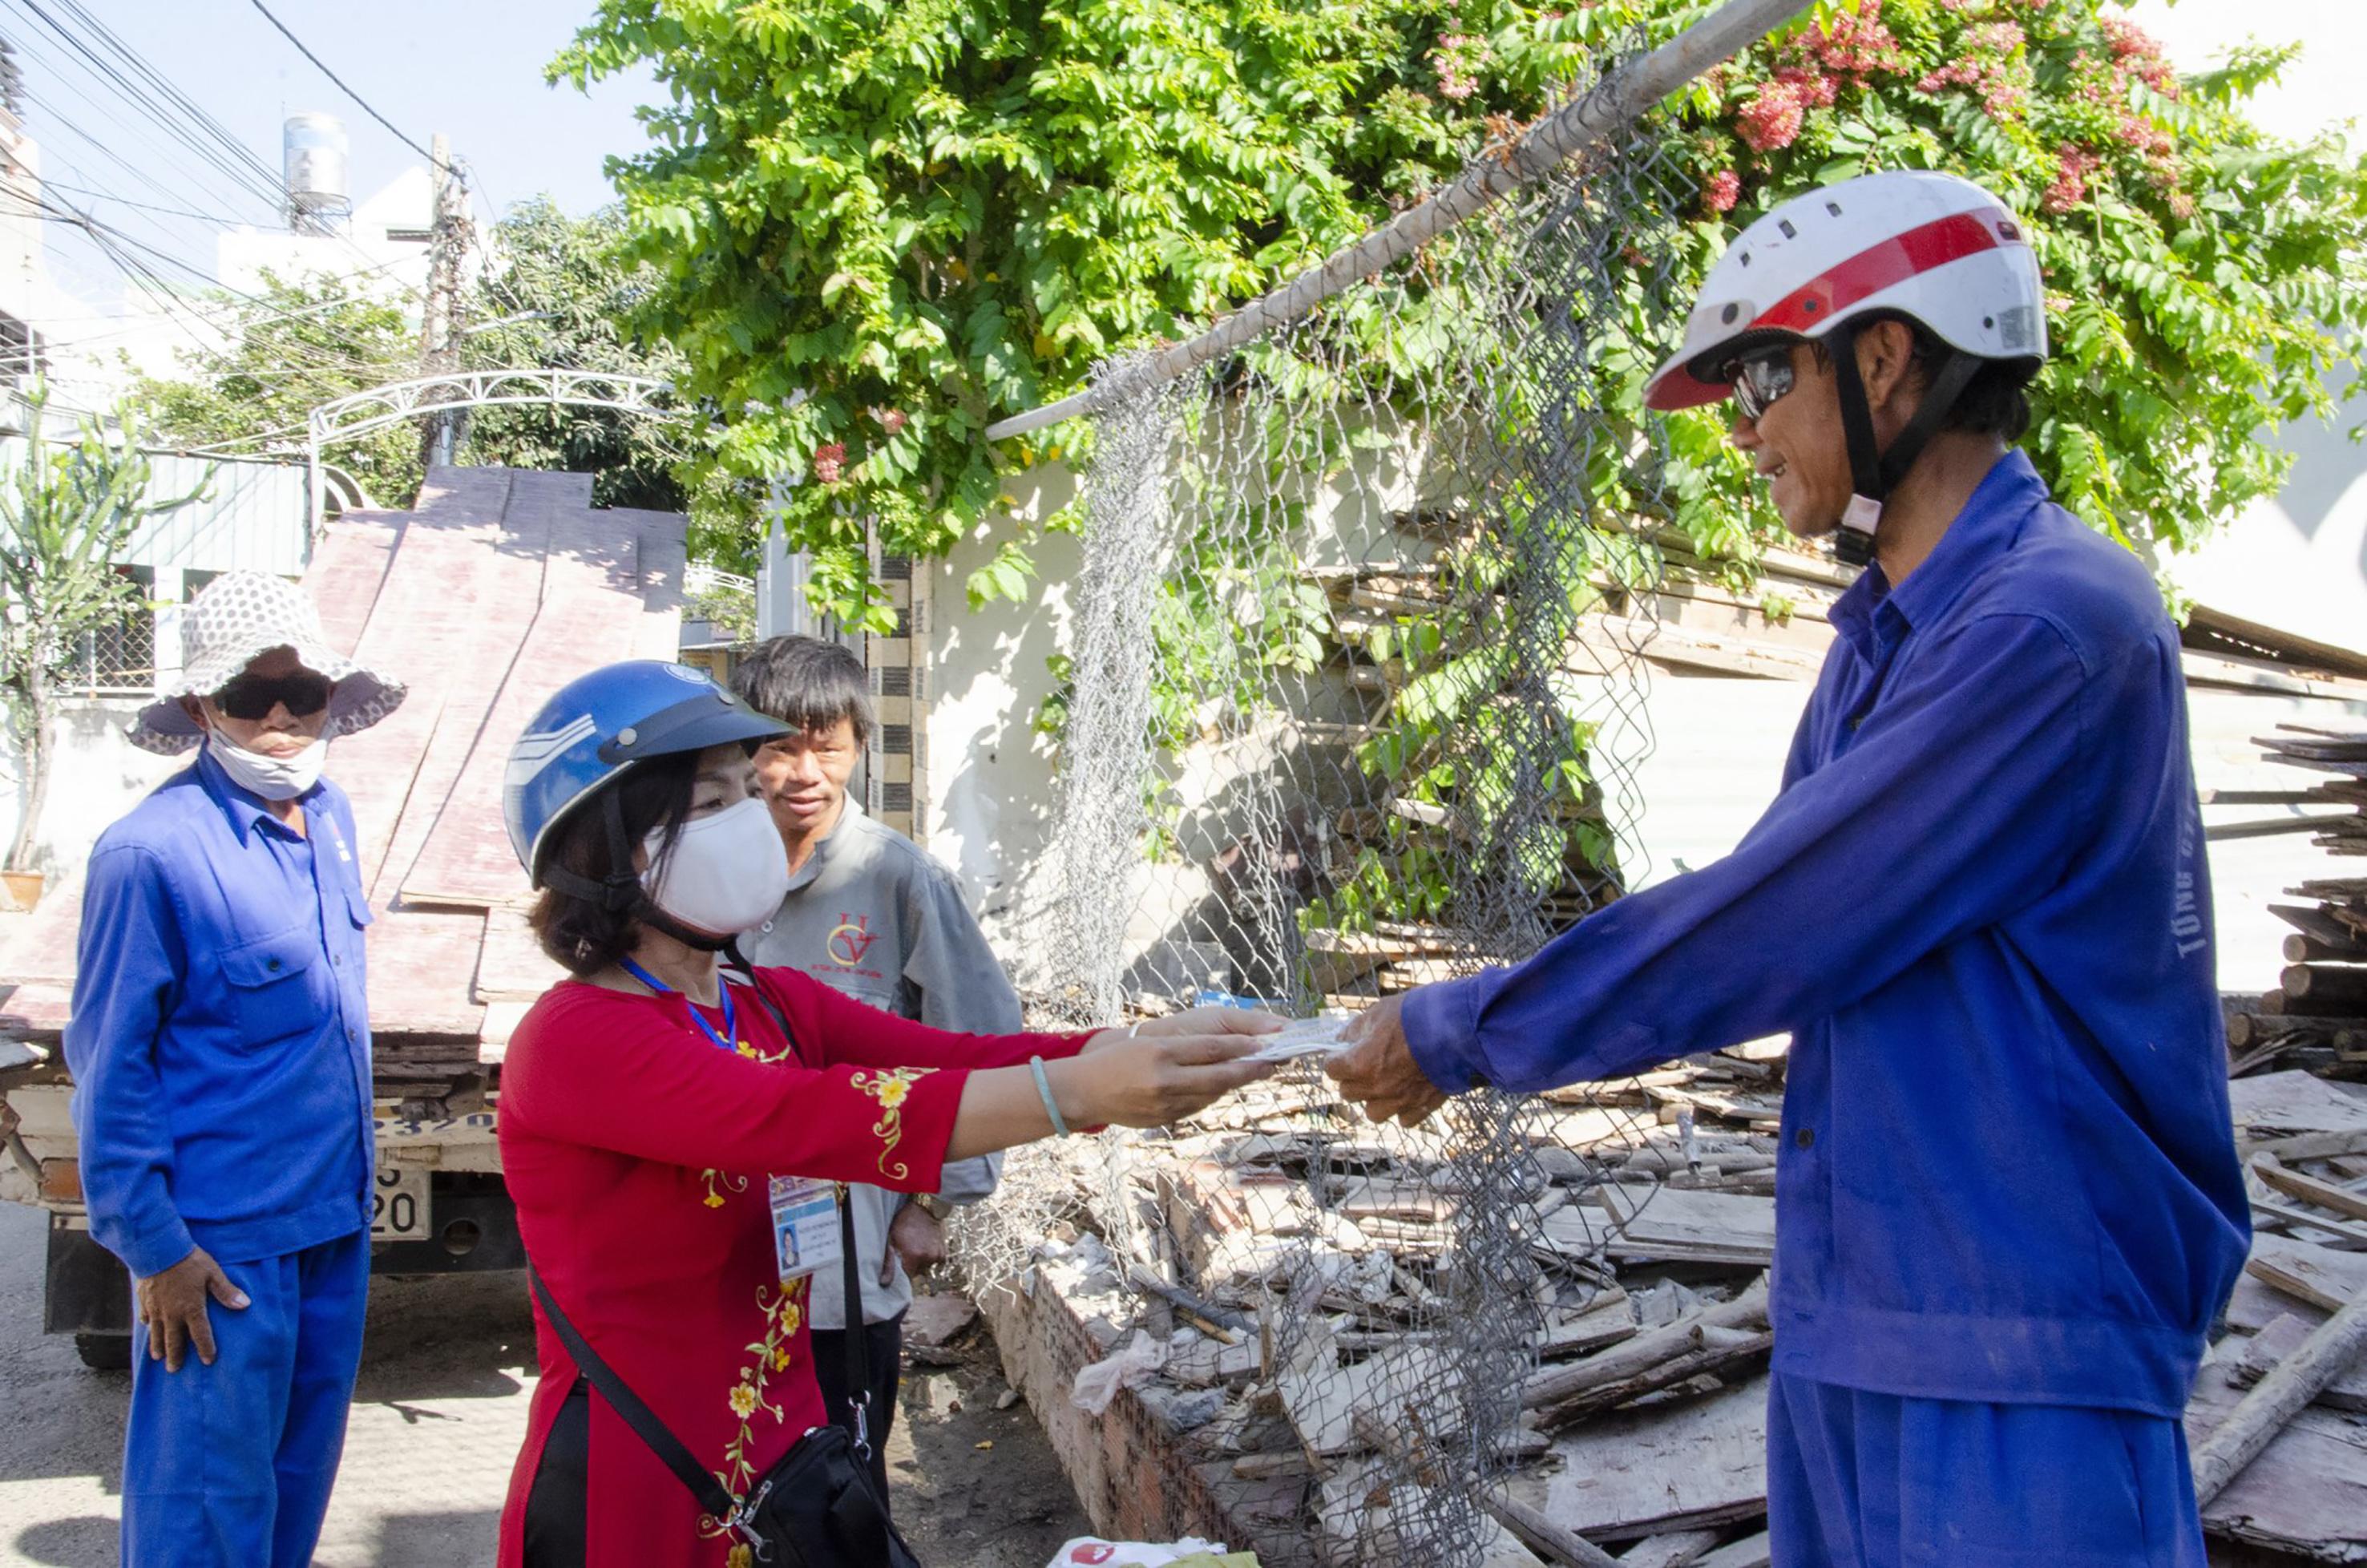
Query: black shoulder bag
815,1508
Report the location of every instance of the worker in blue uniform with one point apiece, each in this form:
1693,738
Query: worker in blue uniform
2007,1205
219,1046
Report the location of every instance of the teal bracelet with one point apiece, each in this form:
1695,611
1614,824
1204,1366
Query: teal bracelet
1044,1087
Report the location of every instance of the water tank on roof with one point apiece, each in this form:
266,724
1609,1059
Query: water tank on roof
314,152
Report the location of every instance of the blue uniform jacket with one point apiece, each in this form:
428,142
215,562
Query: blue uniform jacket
220,1036
1981,906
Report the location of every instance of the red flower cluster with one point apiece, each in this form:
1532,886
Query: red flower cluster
1856,45
1772,120
889,419
1457,63
2072,167
1722,190
1986,67
2135,54
829,462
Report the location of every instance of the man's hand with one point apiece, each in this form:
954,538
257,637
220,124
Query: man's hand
173,1306
916,1237
1379,1071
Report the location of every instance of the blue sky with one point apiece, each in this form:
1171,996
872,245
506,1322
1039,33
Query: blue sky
469,68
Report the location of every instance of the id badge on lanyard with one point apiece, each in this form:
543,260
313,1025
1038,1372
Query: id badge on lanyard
805,1225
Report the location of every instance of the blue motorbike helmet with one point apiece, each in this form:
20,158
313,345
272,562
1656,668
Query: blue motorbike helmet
591,732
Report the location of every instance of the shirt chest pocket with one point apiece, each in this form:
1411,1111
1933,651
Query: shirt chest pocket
276,985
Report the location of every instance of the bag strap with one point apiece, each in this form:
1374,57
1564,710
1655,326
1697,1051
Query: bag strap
621,1398
858,1358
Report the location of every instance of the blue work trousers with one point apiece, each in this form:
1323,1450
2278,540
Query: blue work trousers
1858,1479
230,1466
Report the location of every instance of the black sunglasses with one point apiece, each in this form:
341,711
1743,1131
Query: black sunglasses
1760,379
252,698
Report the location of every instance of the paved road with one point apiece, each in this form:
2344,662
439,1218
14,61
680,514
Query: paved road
436,1421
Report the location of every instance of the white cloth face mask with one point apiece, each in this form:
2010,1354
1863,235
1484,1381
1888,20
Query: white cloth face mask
728,873
273,777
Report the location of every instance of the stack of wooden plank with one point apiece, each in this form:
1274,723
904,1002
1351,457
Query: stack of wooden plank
496,589
2317,1016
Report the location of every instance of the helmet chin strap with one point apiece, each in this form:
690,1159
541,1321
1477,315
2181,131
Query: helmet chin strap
621,890
1875,472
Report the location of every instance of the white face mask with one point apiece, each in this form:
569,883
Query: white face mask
273,777
728,872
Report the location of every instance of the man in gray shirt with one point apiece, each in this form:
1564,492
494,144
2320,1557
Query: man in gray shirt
869,913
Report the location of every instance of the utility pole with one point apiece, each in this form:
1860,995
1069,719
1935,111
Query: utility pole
440,333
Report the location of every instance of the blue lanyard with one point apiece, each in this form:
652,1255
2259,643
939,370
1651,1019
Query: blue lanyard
662,989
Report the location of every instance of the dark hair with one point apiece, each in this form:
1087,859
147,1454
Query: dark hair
580,933
1996,402
806,683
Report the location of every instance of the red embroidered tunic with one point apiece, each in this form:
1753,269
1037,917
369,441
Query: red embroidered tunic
636,1153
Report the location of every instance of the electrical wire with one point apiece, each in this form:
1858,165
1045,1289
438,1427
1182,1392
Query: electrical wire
333,76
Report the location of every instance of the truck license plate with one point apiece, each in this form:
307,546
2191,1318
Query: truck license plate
399,1205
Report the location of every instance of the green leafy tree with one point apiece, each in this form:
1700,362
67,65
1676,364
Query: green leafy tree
286,350
875,227
878,225
66,513
553,294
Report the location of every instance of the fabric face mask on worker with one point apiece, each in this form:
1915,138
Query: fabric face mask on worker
273,777
728,872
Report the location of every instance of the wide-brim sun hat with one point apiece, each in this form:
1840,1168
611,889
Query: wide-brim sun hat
237,619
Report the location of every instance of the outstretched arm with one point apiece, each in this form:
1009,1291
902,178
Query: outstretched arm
1960,800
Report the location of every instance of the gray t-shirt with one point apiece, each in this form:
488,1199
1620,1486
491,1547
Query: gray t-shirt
871,914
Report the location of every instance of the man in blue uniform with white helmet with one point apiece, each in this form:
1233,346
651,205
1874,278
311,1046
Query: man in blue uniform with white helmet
2007,1202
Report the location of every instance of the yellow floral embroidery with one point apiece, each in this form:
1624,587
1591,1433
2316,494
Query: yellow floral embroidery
719,1185
891,1088
739,1557
785,1313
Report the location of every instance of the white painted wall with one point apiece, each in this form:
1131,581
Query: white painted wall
96,777
988,808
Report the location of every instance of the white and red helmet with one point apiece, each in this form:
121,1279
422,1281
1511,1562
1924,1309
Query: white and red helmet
1932,247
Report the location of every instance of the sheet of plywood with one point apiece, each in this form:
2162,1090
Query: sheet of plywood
348,566
1676,1223
591,609
513,967
1739,1227
428,629
664,555
474,661
419,963
2279,1105
2306,1494
1686,1463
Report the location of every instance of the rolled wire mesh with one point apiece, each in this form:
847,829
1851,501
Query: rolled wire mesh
1354,705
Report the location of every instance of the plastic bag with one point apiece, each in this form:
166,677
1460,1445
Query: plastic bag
1092,1552
1098,1385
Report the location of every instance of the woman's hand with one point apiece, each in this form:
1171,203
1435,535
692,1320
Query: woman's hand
1241,1021
1153,1079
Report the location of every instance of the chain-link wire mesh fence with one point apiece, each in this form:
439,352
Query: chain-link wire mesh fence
1355,704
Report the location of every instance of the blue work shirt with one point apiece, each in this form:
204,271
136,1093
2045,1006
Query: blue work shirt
220,1036
1980,904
